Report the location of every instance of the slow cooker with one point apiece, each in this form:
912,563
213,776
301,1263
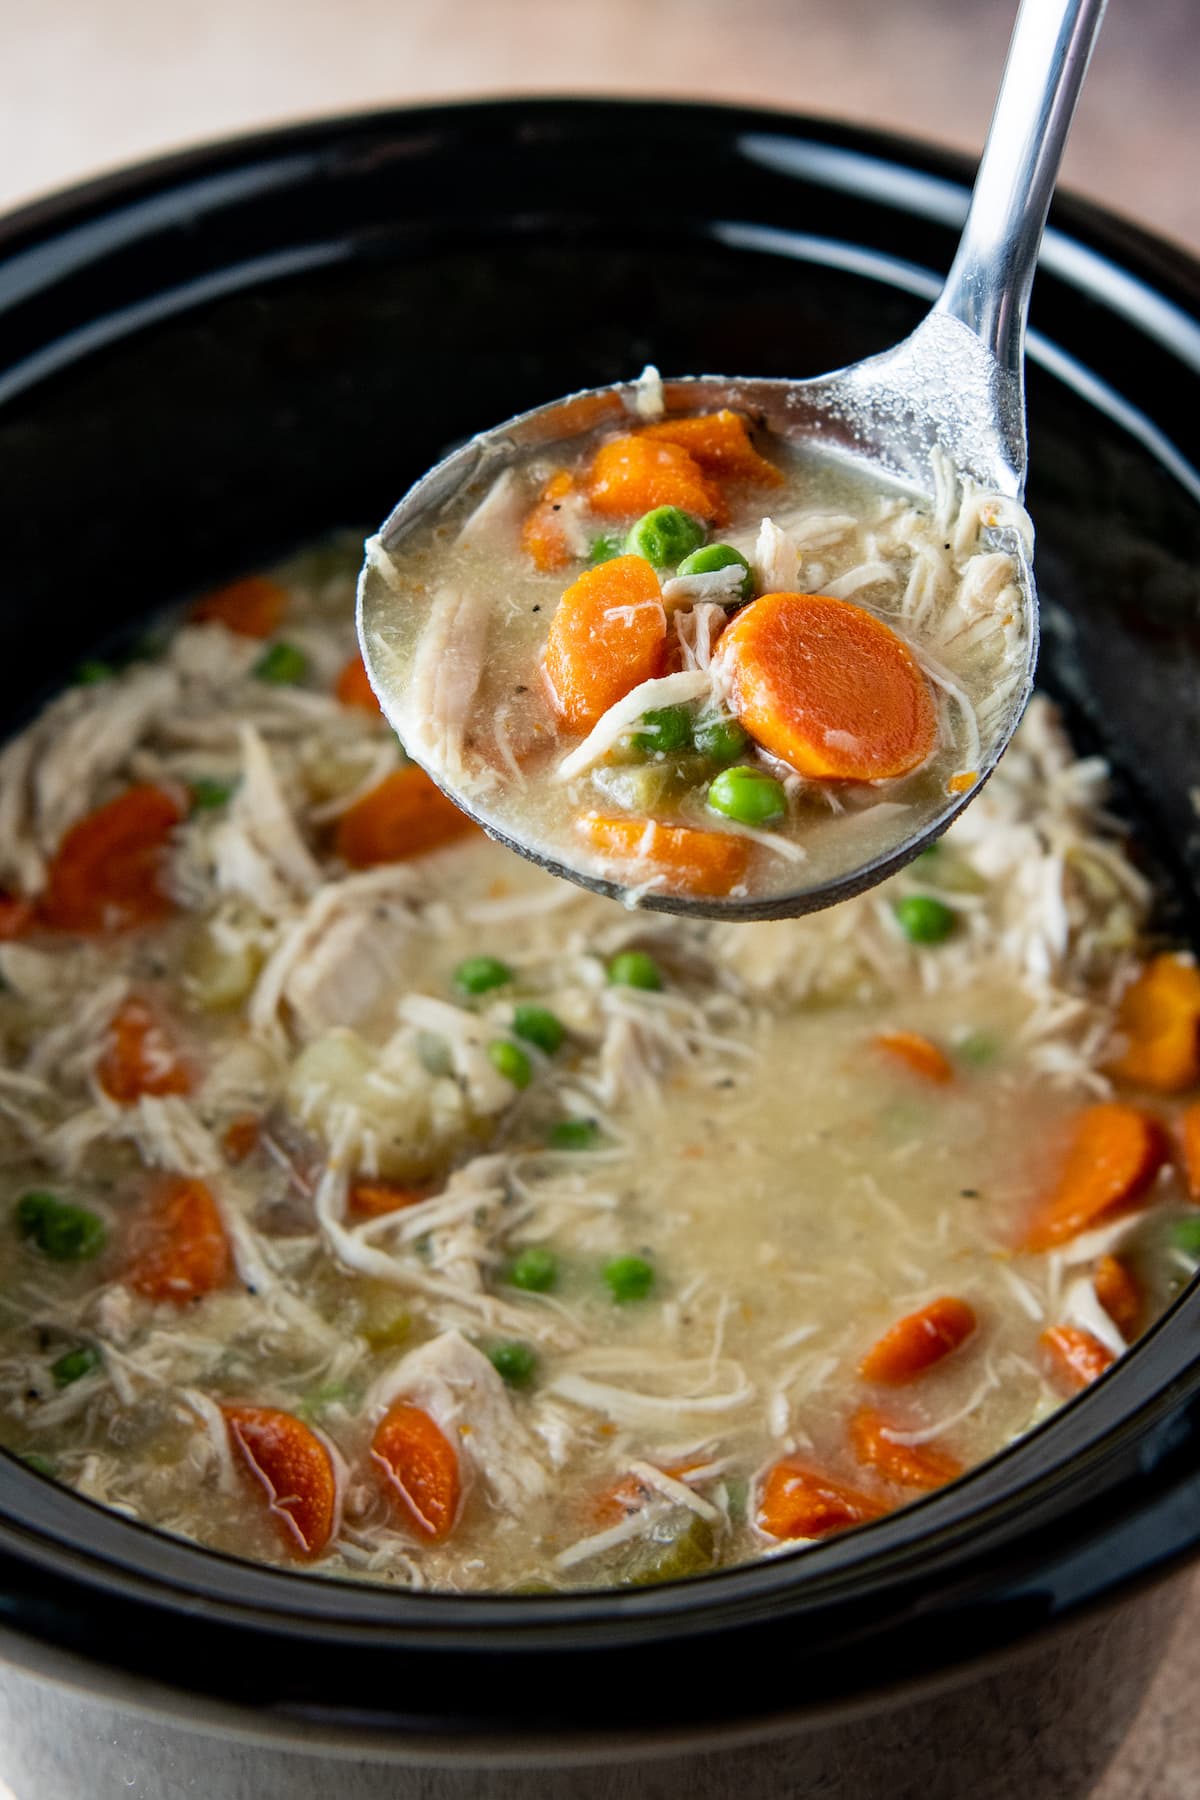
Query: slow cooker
213,358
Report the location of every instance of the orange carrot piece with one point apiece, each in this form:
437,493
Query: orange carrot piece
543,535
294,1469
1073,1357
1119,1293
108,873
609,632
909,1465
252,608
17,916
420,1467
139,1058
371,1199
405,815
1189,1137
802,1502
240,1137
353,686
1114,1154
1159,1016
696,862
828,688
632,475
918,1054
919,1341
177,1248
720,443
629,1492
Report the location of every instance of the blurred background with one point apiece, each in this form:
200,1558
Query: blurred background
88,84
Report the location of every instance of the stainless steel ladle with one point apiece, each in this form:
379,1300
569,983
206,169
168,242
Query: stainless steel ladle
956,384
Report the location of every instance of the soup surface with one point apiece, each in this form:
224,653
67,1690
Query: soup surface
685,662
375,1202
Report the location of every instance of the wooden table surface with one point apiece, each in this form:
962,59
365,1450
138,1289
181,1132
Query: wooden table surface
86,85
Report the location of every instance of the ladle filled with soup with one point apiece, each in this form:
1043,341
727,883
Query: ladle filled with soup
693,662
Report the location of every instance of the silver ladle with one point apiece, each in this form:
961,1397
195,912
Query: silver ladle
956,384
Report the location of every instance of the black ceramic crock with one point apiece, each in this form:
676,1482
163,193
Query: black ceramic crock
212,359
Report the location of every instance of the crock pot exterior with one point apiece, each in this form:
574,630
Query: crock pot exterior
210,360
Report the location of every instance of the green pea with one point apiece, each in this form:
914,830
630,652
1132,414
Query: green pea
515,1362
319,1399
922,919
208,794
664,728
509,1060
665,536
62,1232
633,968
479,973
573,1134
602,549
721,739
41,1465
539,1026
282,665
535,1269
719,556
628,1278
748,796
979,1049
93,671
1185,1235
75,1365
737,1490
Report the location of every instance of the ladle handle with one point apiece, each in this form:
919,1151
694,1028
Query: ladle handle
989,282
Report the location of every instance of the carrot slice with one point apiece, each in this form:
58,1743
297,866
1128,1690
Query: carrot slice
405,815
108,872
177,1249
633,474
543,535
420,1467
801,1502
1119,1293
1159,1015
371,1199
698,862
1189,1136
909,1465
609,632
16,917
1073,1357
252,608
919,1341
294,1469
828,688
240,1137
918,1054
353,687
720,443
1114,1154
139,1057
630,1492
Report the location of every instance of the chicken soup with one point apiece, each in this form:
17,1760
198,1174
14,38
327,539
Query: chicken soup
376,1204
